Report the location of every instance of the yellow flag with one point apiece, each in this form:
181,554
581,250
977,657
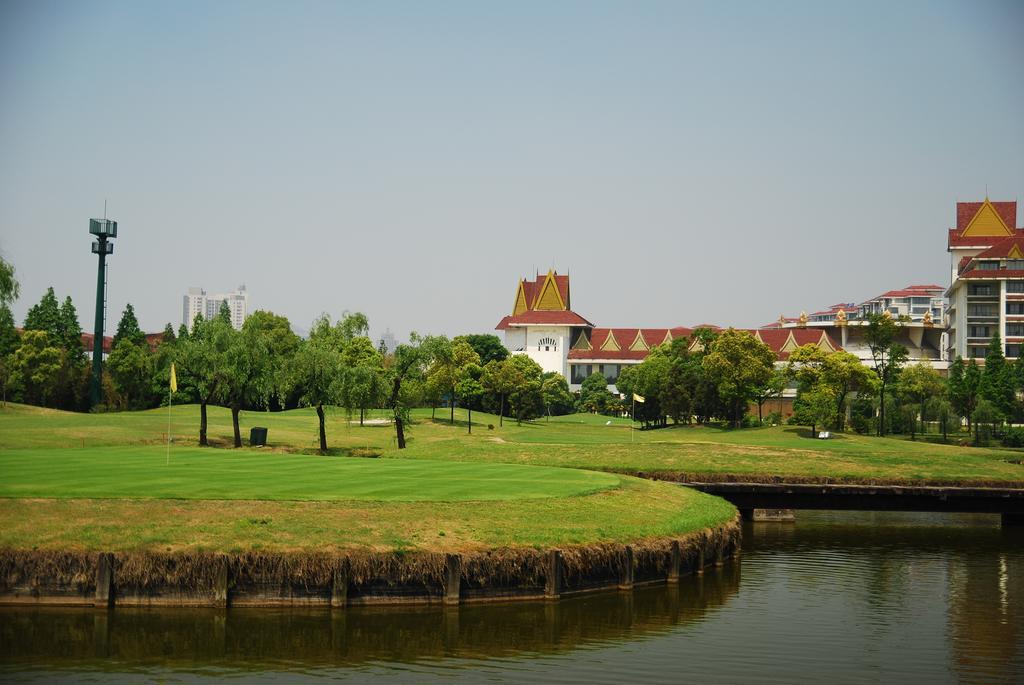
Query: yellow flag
174,379
637,398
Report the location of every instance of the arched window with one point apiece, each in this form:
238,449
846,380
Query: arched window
547,344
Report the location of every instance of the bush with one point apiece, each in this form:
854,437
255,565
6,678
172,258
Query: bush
1013,437
773,419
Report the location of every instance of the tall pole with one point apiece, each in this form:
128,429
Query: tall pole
95,386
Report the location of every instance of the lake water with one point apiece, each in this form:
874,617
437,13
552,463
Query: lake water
842,597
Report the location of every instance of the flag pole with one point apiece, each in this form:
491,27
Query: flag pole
632,418
168,427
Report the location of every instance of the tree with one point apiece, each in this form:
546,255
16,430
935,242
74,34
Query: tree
740,365
918,384
407,365
9,338
71,331
557,398
985,413
203,360
487,346
317,367
131,371
888,355
997,383
363,385
815,407
470,389
943,411
594,394
248,373
501,378
526,399
964,379
776,384
128,328
448,367
45,316
9,287
282,343
35,367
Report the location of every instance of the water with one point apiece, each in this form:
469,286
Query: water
843,597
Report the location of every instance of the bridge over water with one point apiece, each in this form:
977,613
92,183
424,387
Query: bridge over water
1009,502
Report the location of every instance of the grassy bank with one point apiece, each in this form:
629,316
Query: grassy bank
578,441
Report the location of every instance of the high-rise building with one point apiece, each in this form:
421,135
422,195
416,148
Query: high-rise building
197,301
387,342
986,292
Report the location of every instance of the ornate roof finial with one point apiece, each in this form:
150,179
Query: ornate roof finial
841,317
782,320
887,314
927,320
802,322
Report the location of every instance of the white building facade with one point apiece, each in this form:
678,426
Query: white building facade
197,301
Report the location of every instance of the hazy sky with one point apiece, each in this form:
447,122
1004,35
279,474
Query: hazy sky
684,162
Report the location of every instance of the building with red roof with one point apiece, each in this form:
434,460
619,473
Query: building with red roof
543,326
986,292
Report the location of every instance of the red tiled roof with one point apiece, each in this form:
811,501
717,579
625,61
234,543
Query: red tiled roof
956,240
87,342
652,337
532,289
1003,247
965,211
776,338
539,318
991,274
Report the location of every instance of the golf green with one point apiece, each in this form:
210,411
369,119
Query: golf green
143,472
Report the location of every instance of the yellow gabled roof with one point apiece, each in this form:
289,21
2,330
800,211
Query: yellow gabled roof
987,223
610,344
639,344
549,299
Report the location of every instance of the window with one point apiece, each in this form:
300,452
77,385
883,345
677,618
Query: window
1015,286
976,352
982,288
1013,350
1013,308
1017,264
978,332
579,373
1014,330
548,344
985,309
611,372
988,266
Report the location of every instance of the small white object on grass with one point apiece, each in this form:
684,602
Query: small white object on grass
608,422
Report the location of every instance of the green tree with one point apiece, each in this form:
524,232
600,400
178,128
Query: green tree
594,394
557,398
469,389
449,365
887,354
815,407
45,316
487,346
526,400
998,384
363,385
202,359
501,378
249,373
9,338
773,388
131,370
941,408
986,413
71,332
741,366
35,367
9,287
407,366
964,382
128,328
918,384
316,370
282,343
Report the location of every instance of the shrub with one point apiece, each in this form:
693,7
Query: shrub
1013,437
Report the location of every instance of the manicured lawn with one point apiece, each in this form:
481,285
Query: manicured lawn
578,441
195,473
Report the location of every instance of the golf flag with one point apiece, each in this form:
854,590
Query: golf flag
638,398
174,379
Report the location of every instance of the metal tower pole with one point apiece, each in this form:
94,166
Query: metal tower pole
95,386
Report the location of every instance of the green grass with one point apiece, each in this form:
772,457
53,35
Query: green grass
195,473
578,441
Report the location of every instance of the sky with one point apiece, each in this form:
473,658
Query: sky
685,163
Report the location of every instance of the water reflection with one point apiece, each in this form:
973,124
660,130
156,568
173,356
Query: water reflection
257,639
845,597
